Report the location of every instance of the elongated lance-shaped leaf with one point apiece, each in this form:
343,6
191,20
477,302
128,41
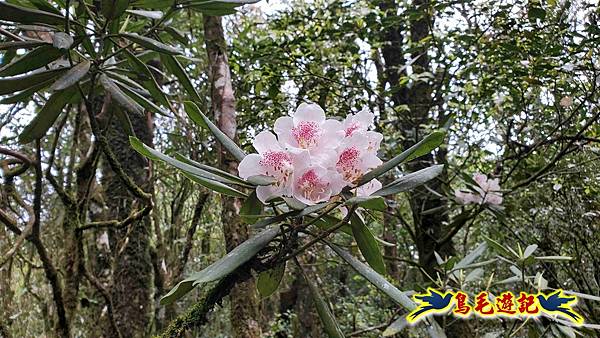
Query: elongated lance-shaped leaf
156,15
173,65
14,13
410,181
152,44
198,175
425,146
17,83
72,76
330,324
375,278
46,116
35,59
252,208
150,82
384,286
141,100
224,266
213,170
25,94
21,44
199,118
117,94
367,244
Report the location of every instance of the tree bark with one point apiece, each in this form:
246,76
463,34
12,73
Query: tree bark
132,274
244,303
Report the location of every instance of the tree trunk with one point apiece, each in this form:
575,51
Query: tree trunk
132,276
244,303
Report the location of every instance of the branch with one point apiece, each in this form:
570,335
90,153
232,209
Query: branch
118,224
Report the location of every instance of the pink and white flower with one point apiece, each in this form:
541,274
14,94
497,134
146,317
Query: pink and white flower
308,129
314,184
313,158
355,157
488,192
274,161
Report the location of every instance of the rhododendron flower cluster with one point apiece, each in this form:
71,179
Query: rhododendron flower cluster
312,158
487,192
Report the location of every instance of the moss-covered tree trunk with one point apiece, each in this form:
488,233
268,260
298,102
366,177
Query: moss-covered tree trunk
244,303
132,276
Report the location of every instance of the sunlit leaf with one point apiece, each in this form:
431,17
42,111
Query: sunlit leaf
411,181
425,146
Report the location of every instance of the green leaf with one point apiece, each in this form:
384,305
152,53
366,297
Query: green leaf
330,324
15,84
156,15
410,181
177,35
72,76
46,116
121,98
213,170
425,146
14,13
268,281
35,59
368,202
152,44
224,266
205,178
199,118
153,3
261,180
529,250
141,100
149,82
386,287
367,243
499,248
21,44
375,278
220,7
173,65
62,40
554,258
25,95
251,209
112,9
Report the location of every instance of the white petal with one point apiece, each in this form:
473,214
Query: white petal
364,118
283,129
369,188
309,112
266,141
265,193
370,161
250,166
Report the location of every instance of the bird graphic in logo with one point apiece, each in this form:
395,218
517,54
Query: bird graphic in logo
558,303
431,302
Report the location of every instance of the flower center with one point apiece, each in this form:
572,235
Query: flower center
347,164
311,185
277,164
352,128
306,133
